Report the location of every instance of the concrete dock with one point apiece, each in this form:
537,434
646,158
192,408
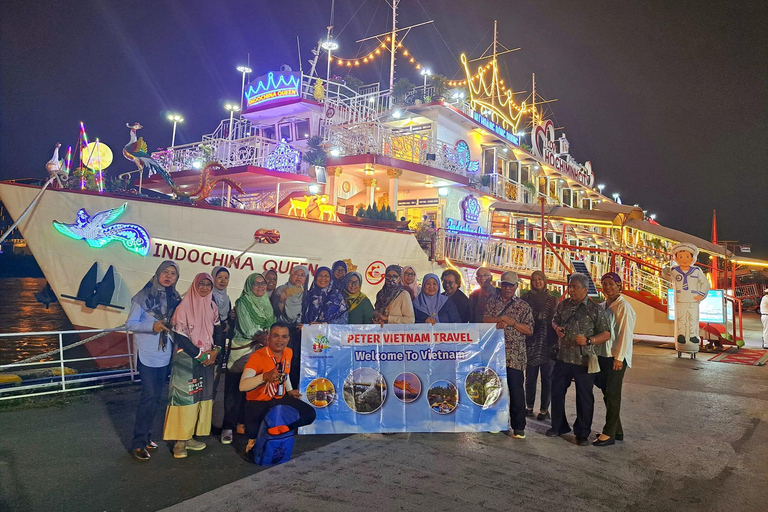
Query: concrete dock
696,439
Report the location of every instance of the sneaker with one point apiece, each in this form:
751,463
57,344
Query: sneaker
543,416
195,445
226,436
518,434
179,450
140,454
151,445
554,433
582,441
240,429
529,412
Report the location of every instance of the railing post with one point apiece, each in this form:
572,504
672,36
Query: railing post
61,362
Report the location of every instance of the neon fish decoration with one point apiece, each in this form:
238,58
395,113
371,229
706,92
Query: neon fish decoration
97,231
268,88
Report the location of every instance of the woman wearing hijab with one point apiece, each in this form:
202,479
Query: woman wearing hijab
254,318
359,307
271,277
287,302
149,320
190,401
393,302
409,282
432,308
338,271
452,286
223,330
538,346
324,302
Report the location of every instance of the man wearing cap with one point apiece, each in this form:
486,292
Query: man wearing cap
579,323
514,315
691,287
479,298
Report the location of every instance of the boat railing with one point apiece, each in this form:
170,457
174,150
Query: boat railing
252,150
53,374
372,138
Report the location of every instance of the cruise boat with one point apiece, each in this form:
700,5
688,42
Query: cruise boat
467,177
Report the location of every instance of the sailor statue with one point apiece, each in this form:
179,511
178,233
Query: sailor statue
691,287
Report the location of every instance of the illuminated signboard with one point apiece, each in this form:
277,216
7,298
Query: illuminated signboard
711,309
470,208
498,130
271,88
544,145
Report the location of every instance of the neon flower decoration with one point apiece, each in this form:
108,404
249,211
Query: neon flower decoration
470,208
283,158
98,232
269,88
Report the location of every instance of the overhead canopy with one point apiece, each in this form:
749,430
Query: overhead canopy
677,236
554,211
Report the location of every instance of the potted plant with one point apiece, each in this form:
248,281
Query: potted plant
401,89
440,84
373,216
316,158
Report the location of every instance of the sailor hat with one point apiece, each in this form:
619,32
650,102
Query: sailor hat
685,246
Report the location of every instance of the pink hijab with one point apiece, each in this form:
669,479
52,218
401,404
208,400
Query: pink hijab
412,288
195,316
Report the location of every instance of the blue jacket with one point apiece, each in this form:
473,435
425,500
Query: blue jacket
145,340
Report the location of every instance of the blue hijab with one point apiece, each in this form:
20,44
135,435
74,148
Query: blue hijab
324,304
430,305
338,283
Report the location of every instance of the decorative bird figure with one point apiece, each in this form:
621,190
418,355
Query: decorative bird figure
97,231
136,152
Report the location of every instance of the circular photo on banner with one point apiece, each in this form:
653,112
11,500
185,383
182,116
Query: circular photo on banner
407,387
443,397
321,392
483,386
365,390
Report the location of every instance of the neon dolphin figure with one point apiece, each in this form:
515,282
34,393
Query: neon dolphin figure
97,231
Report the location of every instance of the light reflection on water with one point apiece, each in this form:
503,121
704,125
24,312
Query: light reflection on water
20,312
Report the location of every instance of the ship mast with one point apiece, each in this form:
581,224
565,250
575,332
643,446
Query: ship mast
392,51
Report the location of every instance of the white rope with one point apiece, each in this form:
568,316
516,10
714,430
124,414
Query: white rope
35,200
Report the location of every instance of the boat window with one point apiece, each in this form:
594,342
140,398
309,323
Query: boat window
268,132
513,171
285,131
542,185
500,166
489,160
567,197
302,129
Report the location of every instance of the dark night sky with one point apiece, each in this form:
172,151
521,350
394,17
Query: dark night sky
667,99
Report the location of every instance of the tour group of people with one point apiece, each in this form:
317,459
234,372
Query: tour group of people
256,345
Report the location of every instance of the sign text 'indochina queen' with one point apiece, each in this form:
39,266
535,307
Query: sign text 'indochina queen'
271,88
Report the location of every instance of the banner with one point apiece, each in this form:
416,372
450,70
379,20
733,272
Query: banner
404,378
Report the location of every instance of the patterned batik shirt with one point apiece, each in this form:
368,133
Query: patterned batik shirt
514,340
586,318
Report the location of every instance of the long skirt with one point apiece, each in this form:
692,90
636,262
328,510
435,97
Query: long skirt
190,403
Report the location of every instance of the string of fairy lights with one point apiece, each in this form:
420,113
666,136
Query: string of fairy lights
373,54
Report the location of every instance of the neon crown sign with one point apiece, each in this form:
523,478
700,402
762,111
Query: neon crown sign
269,88
488,94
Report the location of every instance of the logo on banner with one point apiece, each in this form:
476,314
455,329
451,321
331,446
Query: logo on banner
374,274
320,344
543,145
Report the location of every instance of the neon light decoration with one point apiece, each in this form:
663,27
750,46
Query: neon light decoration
470,208
489,94
462,150
69,159
98,232
456,226
268,88
498,130
283,158
544,145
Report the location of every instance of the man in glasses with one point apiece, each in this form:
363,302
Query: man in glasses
452,284
480,297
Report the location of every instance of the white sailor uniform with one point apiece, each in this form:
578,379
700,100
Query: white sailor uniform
687,285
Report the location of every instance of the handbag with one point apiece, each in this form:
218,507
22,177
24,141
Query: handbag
594,364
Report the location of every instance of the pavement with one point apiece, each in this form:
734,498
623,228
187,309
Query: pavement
696,439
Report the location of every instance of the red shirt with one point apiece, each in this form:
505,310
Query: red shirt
263,361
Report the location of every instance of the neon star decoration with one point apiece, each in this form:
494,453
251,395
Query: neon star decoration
268,88
488,94
98,232
283,158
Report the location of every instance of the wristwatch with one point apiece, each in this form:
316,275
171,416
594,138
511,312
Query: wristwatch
589,340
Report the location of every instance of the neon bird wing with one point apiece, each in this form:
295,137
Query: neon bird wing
97,243
66,229
133,237
107,216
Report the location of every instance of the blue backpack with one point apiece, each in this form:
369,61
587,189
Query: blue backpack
272,450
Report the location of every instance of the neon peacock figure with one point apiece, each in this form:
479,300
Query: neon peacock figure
136,152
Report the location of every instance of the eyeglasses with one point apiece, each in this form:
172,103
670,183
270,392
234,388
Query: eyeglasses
449,283
410,274
353,283
392,276
260,283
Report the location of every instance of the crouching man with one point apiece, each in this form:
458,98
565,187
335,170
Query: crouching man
266,385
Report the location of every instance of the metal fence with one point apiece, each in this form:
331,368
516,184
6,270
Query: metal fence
58,378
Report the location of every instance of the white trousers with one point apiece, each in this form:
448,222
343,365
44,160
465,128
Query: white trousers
687,325
764,319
